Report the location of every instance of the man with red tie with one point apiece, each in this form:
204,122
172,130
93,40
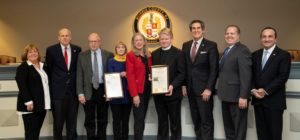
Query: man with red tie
61,61
201,56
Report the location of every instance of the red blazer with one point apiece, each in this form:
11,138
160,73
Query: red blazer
135,73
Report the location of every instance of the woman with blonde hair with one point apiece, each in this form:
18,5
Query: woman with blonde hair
120,107
33,98
138,63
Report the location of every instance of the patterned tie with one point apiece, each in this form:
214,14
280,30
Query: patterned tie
95,78
66,57
226,51
264,59
193,53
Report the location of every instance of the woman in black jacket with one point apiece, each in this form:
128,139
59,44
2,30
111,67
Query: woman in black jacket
33,97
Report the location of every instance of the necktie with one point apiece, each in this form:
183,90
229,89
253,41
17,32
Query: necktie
95,78
193,53
66,56
264,59
226,51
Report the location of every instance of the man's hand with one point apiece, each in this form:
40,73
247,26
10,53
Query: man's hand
243,103
256,94
206,95
184,90
81,99
262,92
170,91
29,107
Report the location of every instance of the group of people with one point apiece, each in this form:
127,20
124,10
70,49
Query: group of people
70,77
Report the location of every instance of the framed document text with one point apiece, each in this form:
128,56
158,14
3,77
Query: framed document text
113,85
160,79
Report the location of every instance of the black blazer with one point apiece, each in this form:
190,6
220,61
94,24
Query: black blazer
176,69
30,88
59,76
272,78
204,71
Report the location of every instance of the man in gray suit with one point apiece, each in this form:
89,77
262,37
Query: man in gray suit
234,84
90,89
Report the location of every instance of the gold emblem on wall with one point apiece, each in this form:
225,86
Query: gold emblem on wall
149,21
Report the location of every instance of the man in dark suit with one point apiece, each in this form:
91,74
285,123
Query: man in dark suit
91,67
271,69
201,56
168,106
61,61
234,84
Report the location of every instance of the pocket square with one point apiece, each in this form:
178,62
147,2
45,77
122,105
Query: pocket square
203,52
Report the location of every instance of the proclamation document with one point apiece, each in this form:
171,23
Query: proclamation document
113,85
160,79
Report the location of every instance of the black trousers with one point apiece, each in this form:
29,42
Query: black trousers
65,111
268,123
139,113
169,115
32,124
96,110
235,121
120,114
202,116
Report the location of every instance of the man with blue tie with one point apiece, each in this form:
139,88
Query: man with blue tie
91,67
61,60
271,69
234,84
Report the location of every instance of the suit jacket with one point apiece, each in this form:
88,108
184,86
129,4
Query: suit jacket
272,78
235,74
201,74
60,78
85,71
176,66
30,87
135,73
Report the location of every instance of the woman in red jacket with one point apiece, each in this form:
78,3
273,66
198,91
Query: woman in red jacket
138,63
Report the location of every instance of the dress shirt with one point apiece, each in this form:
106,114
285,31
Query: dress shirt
270,50
197,46
100,68
45,83
167,48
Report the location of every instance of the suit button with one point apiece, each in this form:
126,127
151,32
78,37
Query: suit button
68,73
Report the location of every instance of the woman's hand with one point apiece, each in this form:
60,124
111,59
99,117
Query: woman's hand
136,101
123,74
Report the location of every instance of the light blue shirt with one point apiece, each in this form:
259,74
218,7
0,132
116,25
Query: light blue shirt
100,66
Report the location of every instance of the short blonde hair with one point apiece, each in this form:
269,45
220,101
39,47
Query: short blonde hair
166,31
27,49
122,44
145,48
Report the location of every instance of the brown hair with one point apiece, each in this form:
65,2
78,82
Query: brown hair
145,48
122,44
197,21
235,26
27,49
266,28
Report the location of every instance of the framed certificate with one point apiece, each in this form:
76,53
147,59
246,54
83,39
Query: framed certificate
160,79
113,85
